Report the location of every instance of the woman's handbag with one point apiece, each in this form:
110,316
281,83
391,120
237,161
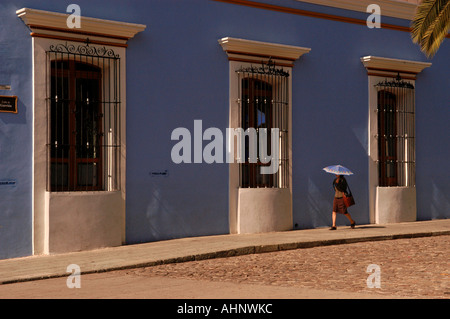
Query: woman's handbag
348,198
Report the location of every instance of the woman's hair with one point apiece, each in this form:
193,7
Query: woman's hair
340,182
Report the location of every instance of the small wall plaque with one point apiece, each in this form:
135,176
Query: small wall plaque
8,104
7,183
164,173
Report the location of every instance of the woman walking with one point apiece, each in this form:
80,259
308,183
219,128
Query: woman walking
340,187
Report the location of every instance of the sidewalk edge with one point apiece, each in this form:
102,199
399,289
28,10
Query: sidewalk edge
247,250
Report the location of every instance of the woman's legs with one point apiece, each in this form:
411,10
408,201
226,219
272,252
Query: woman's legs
333,218
349,218
352,222
339,206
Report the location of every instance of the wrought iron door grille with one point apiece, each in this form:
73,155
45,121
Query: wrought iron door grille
83,112
396,133
263,103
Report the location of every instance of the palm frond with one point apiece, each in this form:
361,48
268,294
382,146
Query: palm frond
431,24
426,14
436,33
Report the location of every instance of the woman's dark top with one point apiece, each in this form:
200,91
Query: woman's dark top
340,186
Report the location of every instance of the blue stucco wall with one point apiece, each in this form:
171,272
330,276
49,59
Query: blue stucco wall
177,72
433,138
15,136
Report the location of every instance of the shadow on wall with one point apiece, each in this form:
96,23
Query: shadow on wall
318,207
362,136
173,209
162,218
440,204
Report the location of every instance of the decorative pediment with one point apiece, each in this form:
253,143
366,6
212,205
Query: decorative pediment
391,67
255,51
54,25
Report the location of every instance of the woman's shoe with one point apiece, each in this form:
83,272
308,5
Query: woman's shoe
353,225
333,228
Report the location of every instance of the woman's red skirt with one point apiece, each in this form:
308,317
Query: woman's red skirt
339,206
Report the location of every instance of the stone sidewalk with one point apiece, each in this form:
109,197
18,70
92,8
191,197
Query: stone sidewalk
207,247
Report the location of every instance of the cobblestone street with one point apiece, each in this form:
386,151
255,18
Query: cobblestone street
411,268
414,265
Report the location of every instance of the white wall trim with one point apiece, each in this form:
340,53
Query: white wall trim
389,8
51,223
280,221
373,145
395,205
240,53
